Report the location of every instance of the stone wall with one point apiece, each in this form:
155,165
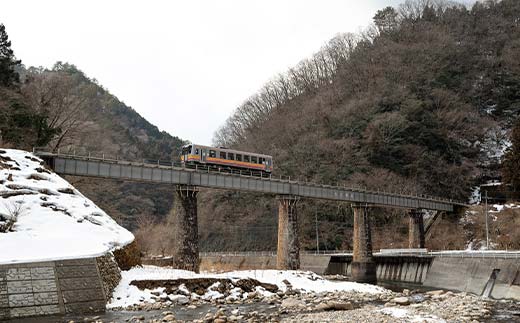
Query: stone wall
54,287
28,290
110,274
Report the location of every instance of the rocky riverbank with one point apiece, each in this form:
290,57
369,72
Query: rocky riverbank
295,306
153,294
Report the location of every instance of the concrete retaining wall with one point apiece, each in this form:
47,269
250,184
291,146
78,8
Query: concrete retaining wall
55,287
472,275
315,263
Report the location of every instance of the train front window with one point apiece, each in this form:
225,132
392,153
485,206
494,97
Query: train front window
238,157
186,150
212,153
222,155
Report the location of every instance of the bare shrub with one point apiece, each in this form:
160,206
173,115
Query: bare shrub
155,237
12,211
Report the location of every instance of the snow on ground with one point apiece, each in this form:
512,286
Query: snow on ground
55,220
403,313
126,295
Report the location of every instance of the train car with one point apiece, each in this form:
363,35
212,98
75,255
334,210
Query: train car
225,158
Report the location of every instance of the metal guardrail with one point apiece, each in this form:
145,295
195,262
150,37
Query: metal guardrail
309,189
403,252
477,254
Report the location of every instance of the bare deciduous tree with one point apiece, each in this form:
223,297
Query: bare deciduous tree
62,97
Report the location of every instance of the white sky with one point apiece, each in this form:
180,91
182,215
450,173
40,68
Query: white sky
183,65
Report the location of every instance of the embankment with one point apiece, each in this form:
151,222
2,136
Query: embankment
501,276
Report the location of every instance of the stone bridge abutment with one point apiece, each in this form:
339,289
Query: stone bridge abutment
186,225
288,251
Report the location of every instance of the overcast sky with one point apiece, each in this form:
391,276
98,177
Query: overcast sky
183,65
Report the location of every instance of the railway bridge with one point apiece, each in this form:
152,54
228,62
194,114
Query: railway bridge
288,192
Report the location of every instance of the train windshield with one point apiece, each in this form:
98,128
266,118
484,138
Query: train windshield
186,150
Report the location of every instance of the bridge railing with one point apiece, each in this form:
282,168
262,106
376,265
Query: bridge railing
401,252
499,254
221,170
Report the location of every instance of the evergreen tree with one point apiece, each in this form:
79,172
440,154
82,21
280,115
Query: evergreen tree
8,76
386,19
511,164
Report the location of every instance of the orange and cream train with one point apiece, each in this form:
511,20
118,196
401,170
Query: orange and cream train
226,158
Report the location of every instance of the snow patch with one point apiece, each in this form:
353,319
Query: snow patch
403,313
55,221
126,295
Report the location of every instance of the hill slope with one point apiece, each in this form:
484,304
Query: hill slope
97,122
421,102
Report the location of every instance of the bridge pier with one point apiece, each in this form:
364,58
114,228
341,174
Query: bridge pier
363,264
416,229
185,220
288,252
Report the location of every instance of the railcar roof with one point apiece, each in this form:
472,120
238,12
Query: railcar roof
229,150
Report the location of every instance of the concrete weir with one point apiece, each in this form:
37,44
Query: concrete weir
185,220
399,269
363,265
288,254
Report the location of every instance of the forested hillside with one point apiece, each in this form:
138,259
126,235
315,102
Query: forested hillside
421,102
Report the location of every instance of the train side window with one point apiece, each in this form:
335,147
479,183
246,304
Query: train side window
212,153
196,151
246,158
230,156
254,160
222,155
238,157
261,160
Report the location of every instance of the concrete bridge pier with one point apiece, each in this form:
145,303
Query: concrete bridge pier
416,229
288,252
363,264
186,244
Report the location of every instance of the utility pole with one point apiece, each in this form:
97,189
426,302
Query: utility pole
487,226
317,238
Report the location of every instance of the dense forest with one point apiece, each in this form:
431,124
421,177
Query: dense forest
423,101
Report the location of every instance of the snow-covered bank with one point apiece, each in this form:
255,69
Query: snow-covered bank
126,295
53,219
295,296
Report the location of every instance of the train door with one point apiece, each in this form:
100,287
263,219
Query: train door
203,154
